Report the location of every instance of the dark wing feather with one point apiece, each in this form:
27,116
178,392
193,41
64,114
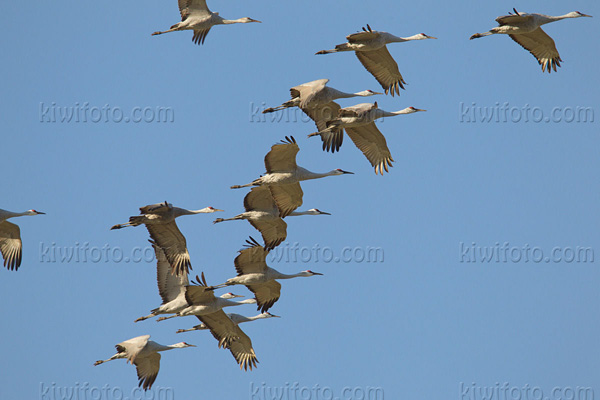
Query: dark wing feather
200,35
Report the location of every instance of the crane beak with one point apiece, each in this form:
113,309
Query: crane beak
585,15
216,209
347,172
431,37
273,315
255,20
39,212
317,273
324,213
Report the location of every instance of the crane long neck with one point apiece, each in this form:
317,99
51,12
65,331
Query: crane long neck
161,347
559,17
296,213
337,94
229,303
382,113
279,275
9,214
306,174
232,21
397,39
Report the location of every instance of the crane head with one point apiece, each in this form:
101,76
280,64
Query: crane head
34,212
246,20
316,211
424,36
230,296
183,344
308,272
341,172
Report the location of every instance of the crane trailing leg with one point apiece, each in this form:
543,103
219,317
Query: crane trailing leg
172,29
237,217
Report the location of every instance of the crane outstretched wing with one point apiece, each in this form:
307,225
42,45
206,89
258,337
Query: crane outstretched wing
307,91
231,337
384,68
288,197
266,294
147,369
259,198
252,258
372,143
282,157
541,46
170,239
170,286
189,7
11,246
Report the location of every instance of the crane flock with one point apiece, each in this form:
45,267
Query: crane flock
277,193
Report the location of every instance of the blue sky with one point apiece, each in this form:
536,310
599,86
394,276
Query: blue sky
419,324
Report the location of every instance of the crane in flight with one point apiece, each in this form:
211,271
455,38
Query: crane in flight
171,287
258,277
371,50
201,300
316,100
196,16
525,29
359,123
262,213
143,353
11,246
159,220
236,318
284,175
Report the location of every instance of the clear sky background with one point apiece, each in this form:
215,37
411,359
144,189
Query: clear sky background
417,324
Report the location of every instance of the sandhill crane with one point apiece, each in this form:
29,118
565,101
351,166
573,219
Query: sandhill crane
284,175
160,222
263,215
202,301
316,100
143,353
11,246
236,318
196,16
171,287
359,123
371,50
258,277
525,29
